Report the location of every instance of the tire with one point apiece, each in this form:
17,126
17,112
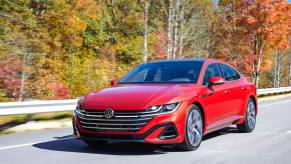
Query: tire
192,142
250,118
94,143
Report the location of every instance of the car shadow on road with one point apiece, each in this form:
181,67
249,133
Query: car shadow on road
68,144
74,145
221,132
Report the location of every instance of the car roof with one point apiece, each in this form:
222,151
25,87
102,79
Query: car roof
187,60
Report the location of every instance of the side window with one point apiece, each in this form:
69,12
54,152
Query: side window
229,73
211,71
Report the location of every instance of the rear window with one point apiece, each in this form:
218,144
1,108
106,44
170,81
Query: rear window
229,74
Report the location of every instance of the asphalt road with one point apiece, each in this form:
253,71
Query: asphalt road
269,143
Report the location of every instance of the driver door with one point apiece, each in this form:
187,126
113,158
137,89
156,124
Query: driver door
215,97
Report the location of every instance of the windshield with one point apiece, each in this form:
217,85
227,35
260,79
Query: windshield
164,72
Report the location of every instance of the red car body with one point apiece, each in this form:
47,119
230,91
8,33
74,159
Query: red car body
221,105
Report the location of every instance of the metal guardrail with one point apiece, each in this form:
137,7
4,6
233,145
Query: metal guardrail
33,107
270,91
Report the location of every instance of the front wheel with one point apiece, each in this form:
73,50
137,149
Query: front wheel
250,118
193,129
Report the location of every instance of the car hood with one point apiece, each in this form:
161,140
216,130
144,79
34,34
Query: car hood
139,97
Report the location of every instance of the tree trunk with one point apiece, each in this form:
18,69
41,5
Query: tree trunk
21,91
257,52
111,3
211,41
256,65
170,17
181,37
279,70
257,76
289,78
176,26
275,71
23,77
145,45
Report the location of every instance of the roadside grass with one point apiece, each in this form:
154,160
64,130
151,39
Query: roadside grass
275,96
7,132
10,121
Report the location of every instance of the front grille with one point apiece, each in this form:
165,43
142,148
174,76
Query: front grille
122,121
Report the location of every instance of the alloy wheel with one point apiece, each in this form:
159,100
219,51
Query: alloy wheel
194,127
251,115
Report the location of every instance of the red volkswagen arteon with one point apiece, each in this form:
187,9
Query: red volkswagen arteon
168,102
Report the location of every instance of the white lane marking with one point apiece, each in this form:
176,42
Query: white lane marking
16,146
280,102
32,143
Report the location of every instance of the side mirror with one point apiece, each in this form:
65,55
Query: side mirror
114,82
216,80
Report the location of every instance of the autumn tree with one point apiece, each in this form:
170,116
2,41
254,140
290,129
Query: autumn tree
264,22
21,36
188,27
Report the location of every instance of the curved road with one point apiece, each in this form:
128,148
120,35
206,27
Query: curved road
269,143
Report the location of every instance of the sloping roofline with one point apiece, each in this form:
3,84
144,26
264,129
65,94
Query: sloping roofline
186,60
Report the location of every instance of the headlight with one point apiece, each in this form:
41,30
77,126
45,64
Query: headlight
167,108
79,107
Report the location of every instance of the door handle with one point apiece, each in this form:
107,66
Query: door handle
226,92
207,95
243,88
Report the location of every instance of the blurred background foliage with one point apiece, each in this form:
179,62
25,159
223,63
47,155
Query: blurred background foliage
59,49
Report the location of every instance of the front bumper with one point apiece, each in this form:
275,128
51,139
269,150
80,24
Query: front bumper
161,129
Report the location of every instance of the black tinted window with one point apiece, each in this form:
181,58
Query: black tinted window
211,71
229,73
164,72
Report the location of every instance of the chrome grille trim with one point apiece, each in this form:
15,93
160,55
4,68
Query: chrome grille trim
111,123
110,128
122,121
90,115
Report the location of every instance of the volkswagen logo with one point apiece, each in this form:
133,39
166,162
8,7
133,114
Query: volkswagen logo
109,113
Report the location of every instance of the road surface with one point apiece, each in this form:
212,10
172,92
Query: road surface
269,143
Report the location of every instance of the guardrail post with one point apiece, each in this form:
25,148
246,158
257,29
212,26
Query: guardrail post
29,118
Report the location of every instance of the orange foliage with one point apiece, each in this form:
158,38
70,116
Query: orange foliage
266,65
266,23
10,70
59,91
160,45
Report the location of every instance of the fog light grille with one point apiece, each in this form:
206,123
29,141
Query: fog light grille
169,132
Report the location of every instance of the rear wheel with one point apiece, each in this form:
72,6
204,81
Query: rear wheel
94,143
193,129
250,118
